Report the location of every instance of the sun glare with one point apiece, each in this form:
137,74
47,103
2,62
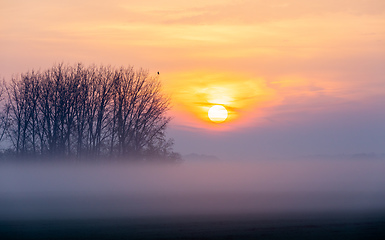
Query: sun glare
217,113
235,95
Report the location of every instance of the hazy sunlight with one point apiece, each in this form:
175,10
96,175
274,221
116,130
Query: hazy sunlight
217,113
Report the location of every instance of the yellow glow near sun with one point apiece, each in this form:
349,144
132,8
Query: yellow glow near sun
200,91
217,113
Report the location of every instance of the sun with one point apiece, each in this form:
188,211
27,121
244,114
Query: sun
217,113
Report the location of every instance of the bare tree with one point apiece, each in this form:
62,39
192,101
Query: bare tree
139,111
88,111
23,94
4,115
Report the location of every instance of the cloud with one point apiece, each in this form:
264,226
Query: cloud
253,12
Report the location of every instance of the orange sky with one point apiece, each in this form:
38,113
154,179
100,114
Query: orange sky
265,61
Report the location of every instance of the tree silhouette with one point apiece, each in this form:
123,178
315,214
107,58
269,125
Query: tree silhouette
96,111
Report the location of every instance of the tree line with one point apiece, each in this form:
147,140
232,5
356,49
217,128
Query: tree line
85,112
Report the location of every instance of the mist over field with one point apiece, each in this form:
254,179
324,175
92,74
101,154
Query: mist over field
122,190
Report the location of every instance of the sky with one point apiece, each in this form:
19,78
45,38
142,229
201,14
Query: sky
297,77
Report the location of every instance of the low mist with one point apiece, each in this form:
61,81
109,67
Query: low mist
122,190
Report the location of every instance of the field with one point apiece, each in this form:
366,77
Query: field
294,226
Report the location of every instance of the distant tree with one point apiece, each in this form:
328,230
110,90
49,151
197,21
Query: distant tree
21,108
87,112
4,115
57,108
139,108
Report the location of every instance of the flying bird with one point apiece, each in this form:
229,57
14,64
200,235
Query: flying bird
158,73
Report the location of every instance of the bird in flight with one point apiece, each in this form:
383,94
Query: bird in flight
158,73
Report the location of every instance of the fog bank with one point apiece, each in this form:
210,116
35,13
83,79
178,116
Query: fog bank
99,190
